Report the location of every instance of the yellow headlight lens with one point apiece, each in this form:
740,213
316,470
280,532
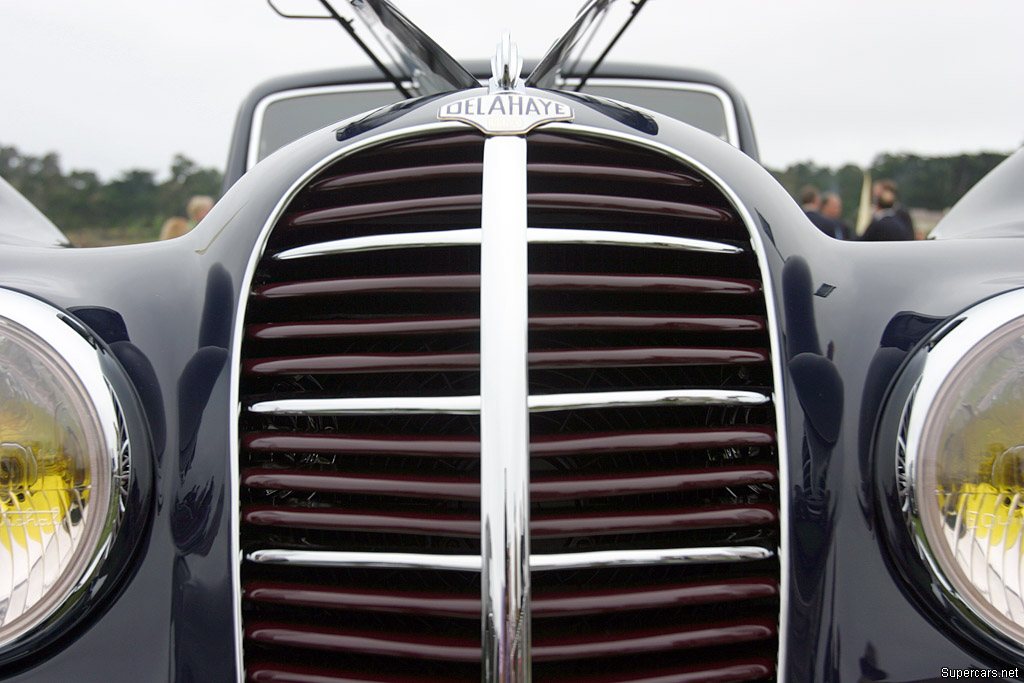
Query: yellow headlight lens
57,461
967,449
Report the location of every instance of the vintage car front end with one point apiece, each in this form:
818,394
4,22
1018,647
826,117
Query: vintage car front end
438,392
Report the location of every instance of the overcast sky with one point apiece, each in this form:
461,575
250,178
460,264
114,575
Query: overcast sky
117,84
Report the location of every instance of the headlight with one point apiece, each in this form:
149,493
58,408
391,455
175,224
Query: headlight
63,460
965,462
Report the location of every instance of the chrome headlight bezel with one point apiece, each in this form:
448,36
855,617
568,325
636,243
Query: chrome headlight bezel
64,345
942,367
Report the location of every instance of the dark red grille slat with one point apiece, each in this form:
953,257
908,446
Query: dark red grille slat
731,672
601,645
648,284
332,444
392,209
591,172
548,488
625,442
606,317
561,201
361,285
644,356
387,644
398,175
378,362
628,598
402,601
434,362
655,482
276,673
544,605
395,485
542,526
356,520
667,323
448,172
630,205
466,650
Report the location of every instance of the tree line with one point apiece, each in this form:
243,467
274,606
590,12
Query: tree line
134,203
137,203
934,183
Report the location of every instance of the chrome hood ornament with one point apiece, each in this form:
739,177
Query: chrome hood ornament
506,66
506,109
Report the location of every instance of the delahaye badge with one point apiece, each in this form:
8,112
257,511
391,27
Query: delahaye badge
506,113
506,109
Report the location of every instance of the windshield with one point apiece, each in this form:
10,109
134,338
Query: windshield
287,116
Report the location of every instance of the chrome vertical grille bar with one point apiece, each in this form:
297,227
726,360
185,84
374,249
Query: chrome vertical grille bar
504,414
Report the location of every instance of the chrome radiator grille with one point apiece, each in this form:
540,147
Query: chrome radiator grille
654,513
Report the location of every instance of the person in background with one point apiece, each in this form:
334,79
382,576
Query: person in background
175,226
832,209
888,185
887,223
198,207
810,201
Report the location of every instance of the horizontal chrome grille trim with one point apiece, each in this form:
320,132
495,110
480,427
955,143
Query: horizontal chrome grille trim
471,236
329,558
538,563
451,405
470,405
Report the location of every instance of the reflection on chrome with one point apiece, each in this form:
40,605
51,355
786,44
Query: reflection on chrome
538,563
471,236
470,405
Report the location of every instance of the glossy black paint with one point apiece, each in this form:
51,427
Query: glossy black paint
852,614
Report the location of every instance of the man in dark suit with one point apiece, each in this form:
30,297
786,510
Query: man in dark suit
810,201
832,209
891,221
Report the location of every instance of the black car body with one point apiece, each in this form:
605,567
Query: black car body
733,501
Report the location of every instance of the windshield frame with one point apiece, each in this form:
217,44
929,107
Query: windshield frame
568,84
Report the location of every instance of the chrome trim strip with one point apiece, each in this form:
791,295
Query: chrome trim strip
633,558
395,405
613,399
628,239
538,563
328,558
470,405
407,240
471,236
779,396
504,415
239,335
